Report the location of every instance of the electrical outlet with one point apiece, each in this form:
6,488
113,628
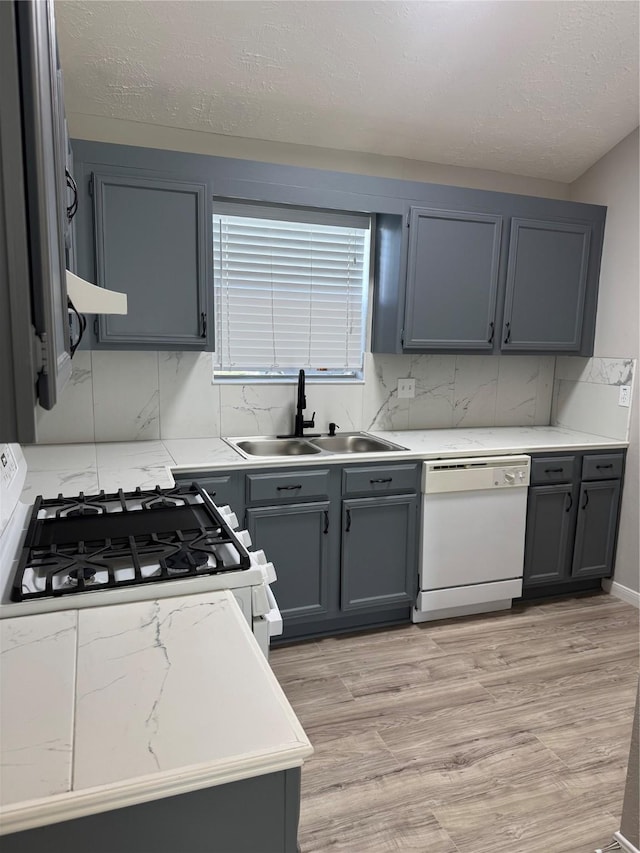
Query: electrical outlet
406,388
624,396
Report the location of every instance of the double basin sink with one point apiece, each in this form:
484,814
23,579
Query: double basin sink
348,442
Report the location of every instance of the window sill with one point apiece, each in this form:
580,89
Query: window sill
289,380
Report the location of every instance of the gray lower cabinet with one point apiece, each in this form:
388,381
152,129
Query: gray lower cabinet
596,529
378,551
295,538
342,539
451,294
571,525
256,815
151,239
546,286
551,521
224,489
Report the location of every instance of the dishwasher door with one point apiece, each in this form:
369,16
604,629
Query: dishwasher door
472,534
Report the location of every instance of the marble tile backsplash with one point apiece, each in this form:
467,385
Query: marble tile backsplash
129,396
585,395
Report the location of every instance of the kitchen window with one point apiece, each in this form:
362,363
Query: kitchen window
291,291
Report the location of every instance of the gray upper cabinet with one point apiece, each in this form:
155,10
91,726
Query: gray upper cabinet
452,280
488,272
151,238
546,286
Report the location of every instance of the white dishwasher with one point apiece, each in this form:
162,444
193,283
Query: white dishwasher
472,535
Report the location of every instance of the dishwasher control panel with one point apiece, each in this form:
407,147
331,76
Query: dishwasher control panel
476,474
515,476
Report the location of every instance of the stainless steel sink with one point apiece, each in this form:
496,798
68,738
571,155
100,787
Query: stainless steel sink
275,447
347,442
354,443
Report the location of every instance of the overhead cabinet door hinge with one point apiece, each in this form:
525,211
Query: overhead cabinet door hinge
40,354
91,186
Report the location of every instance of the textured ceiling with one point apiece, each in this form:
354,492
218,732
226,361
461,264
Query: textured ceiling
533,88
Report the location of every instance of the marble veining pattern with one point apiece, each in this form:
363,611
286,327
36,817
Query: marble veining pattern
71,419
147,464
257,409
159,669
475,392
586,392
382,408
37,678
189,401
601,371
130,396
126,395
201,451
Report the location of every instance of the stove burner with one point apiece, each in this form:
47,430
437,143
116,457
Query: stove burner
114,540
186,560
87,574
84,509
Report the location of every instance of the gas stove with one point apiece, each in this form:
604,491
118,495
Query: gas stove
85,551
97,542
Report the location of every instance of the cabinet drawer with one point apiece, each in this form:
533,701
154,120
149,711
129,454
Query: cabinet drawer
374,480
222,490
605,466
289,486
558,469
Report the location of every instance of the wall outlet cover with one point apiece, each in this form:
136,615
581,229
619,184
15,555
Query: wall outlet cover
406,388
624,396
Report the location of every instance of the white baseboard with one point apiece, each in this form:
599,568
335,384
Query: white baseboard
624,593
624,843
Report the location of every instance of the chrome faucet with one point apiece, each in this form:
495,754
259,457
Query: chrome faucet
300,423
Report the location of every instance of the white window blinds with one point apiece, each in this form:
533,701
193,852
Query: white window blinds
290,289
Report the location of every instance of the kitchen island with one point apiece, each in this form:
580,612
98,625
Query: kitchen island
150,726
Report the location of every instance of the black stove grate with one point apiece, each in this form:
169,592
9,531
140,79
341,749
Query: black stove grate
106,541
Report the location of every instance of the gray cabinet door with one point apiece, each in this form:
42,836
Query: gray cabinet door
551,514
546,286
295,538
151,236
452,280
596,529
378,551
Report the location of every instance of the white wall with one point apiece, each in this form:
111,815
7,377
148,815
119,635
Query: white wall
124,132
614,181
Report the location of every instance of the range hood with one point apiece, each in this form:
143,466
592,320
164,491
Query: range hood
89,299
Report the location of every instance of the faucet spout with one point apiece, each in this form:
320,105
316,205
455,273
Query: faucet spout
300,422
302,400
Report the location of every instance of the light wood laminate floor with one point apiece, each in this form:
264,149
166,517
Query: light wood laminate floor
501,733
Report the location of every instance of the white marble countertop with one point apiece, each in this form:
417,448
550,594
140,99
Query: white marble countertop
70,468
118,710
